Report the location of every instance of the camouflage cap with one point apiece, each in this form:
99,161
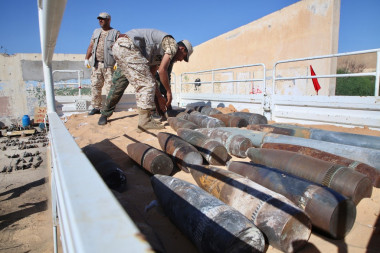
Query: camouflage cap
104,15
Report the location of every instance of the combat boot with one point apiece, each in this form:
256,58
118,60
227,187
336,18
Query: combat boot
146,121
102,120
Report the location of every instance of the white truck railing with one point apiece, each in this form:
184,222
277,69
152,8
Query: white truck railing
245,100
213,71
376,74
90,217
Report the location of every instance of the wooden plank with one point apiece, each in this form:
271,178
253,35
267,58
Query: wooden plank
16,133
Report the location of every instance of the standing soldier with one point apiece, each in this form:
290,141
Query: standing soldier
102,62
139,53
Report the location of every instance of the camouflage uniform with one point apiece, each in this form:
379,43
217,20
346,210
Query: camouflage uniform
100,75
133,67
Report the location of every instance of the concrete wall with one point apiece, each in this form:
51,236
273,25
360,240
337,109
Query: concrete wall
306,28
22,86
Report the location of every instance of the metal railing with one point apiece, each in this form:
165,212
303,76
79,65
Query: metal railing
213,82
79,72
376,74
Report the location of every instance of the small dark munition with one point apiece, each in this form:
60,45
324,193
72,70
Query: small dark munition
184,154
210,224
213,151
346,181
151,159
286,226
328,210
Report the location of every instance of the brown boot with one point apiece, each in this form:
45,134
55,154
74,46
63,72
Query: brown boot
146,121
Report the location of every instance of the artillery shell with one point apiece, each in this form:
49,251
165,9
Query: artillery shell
151,159
176,123
328,210
204,120
207,110
252,118
286,226
210,224
231,121
183,153
235,144
348,182
213,151
363,168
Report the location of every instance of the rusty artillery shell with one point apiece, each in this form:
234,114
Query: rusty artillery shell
207,110
184,154
285,225
272,129
231,121
107,168
363,168
211,225
235,144
252,118
151,159
204,120
328,210
346,181
177,123
213,151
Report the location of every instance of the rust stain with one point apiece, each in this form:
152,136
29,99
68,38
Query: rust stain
4,106
303,133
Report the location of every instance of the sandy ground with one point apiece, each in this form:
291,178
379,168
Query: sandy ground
113,139
25,209
25,216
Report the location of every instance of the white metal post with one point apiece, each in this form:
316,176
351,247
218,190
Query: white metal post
377,74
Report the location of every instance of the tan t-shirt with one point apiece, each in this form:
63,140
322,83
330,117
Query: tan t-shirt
100,47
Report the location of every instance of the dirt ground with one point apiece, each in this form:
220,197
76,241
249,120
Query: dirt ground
25,210
30,210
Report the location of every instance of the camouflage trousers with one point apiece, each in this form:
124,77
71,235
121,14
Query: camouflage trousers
135,67
120,83
100,77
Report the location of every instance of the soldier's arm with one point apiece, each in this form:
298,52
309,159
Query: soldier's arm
164,77
89,50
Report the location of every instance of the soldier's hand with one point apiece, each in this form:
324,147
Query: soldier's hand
161,103
170,98
87,63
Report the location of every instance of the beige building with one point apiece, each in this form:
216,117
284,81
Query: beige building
306,28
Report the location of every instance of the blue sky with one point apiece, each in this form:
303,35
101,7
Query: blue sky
196,20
